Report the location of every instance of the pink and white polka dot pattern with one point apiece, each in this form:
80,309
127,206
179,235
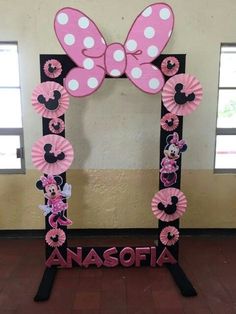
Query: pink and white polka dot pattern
115,60
85,45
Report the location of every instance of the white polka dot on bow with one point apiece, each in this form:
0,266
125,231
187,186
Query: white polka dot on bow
115,72
152,51
88,42
131,45
83,22
149,32
92,82
62,18
88,63
69,39
164,13
118,55
153,83
73,85
147,12
136,73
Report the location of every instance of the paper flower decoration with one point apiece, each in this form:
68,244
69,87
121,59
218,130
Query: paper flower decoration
56,125
182,94
169,204
52,154
52,68
169,235
55,237
50,100
170,66
169,122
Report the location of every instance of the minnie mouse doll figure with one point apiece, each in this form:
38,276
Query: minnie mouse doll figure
55,205
169,165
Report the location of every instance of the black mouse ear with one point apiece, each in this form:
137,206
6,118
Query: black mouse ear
39,185
184,148
56,94
191,97
41,99
47,147
58,180
61,156
179,87
174,200
161,206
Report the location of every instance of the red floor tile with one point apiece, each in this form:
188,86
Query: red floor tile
87,301
209,263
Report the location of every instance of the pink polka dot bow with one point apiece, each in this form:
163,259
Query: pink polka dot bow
85,45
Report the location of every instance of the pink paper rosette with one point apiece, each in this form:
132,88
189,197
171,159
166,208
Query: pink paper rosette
52,154
55,237
169,122
182,94
169,204
170,66
56,125
50,99
169,235
52,68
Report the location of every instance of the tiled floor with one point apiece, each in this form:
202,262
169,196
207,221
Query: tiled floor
209,262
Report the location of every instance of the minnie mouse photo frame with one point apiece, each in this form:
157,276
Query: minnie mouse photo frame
79,73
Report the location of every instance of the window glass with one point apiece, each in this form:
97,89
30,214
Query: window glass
225,152
10,104
8,156
227,109
11,138
9,74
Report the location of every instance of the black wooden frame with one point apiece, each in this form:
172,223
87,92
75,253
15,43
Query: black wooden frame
178,274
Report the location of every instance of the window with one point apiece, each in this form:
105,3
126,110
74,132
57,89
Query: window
225,157
11,131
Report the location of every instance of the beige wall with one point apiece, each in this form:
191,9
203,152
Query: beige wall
115,132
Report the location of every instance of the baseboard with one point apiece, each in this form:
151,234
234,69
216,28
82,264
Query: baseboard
40,233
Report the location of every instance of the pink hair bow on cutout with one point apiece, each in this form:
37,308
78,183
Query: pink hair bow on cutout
175,140
47,180
85,45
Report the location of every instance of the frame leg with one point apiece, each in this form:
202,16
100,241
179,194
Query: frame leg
181,280
46,284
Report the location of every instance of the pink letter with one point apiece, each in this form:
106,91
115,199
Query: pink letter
140,255
92,258
110,261
166,257
72,256
153,256
55,259
129,262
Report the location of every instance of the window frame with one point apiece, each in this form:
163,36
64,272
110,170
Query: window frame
18,131
223,131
